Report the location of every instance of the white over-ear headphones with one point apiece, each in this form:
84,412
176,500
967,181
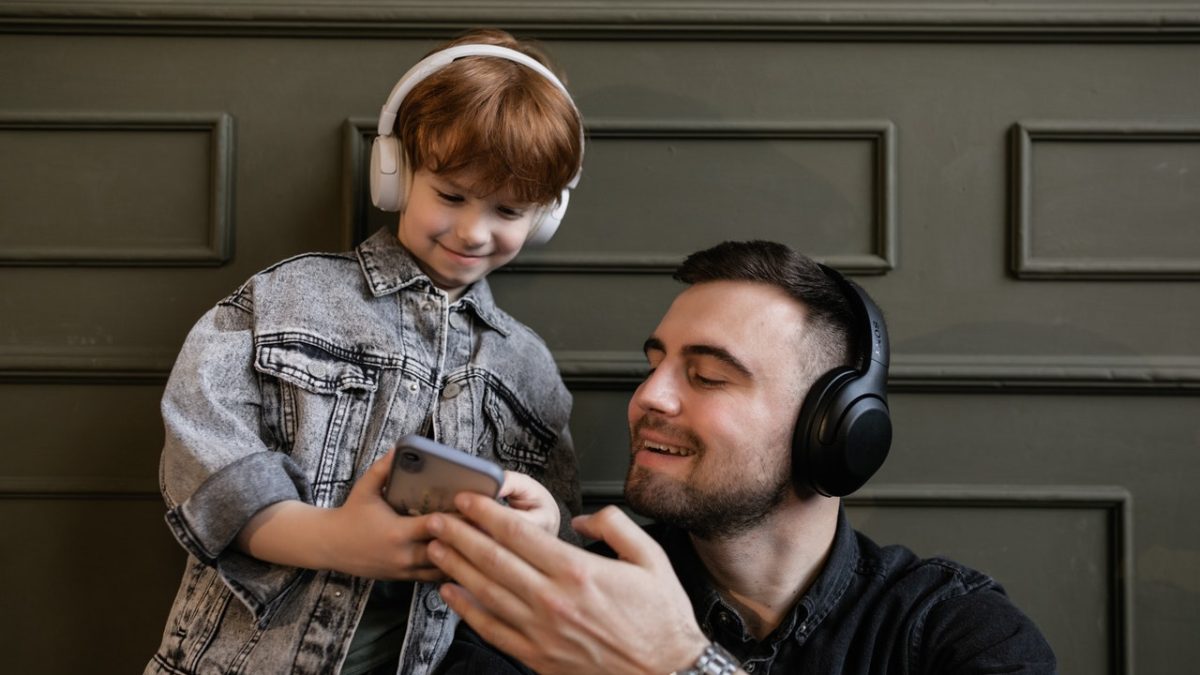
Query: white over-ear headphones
389,170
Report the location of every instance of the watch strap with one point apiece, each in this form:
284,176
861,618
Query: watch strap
714,660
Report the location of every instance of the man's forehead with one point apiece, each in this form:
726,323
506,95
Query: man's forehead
742,317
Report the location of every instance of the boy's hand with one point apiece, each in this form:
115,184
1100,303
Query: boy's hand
369,539
532,500
364,537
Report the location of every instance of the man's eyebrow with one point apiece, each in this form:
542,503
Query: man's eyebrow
719,353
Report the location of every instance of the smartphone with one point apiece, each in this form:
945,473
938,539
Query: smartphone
426,475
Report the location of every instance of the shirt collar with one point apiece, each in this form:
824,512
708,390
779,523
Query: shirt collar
818,601
833,581
389,267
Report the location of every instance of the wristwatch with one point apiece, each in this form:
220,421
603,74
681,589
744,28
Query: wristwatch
714,660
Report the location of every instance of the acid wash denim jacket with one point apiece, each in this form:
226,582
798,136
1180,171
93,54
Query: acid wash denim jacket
289,389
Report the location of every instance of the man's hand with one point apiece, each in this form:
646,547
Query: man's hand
561,609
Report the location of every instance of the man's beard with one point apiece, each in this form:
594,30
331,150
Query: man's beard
717,511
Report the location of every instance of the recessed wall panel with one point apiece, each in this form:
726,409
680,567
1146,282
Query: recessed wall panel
1107,201
115,190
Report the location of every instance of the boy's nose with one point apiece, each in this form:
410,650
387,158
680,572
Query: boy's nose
472,230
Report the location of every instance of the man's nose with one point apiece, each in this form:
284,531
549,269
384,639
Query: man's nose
659,393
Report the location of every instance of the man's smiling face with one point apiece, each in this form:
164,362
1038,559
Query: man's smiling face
711,426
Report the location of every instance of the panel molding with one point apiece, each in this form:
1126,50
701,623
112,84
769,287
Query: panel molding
1026,265
588,370
218,248
77,487
1116,503
881,134
631,19
932,373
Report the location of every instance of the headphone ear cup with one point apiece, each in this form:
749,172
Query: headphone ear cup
548,220
810,422
862,437
842,434
389,175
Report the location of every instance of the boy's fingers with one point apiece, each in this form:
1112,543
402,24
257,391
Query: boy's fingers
376,475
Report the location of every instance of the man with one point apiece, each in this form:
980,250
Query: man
750,568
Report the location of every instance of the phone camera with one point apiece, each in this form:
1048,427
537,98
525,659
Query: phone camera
410,461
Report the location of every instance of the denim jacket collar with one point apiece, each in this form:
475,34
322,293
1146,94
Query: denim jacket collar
389,268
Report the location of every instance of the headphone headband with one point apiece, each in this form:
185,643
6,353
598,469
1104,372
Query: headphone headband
844,429
389,170
440,59
873,352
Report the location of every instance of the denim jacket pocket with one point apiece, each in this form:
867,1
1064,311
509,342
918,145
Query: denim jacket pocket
522,441
317,398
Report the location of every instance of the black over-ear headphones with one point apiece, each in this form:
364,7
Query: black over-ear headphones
844,430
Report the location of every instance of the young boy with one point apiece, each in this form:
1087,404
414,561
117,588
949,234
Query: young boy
287,396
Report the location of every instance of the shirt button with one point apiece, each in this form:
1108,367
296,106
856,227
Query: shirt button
453,389
426,306
749,667
337,594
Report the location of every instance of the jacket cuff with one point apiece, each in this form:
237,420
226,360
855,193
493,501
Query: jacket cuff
208,522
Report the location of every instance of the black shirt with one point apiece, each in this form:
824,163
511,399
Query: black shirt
873,610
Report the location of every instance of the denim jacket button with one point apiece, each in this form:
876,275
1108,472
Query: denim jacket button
453,389
413,386
433,602
318,370
510,436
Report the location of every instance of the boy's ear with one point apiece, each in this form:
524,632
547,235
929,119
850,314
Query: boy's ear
389,175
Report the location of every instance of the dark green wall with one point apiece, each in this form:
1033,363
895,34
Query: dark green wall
1019,187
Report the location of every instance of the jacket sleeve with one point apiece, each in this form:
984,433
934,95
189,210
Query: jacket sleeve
983,632
219,464
562,480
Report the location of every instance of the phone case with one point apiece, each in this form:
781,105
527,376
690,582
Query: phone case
426,475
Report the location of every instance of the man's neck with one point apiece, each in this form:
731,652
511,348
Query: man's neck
765,571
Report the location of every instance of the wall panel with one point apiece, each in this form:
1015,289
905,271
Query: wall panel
1013,181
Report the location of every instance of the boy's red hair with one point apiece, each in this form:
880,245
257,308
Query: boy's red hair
506,124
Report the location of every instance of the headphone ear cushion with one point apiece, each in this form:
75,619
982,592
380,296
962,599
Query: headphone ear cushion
862,438
842,434
548,220
389,175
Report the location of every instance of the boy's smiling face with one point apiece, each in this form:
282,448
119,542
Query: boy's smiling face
456,234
